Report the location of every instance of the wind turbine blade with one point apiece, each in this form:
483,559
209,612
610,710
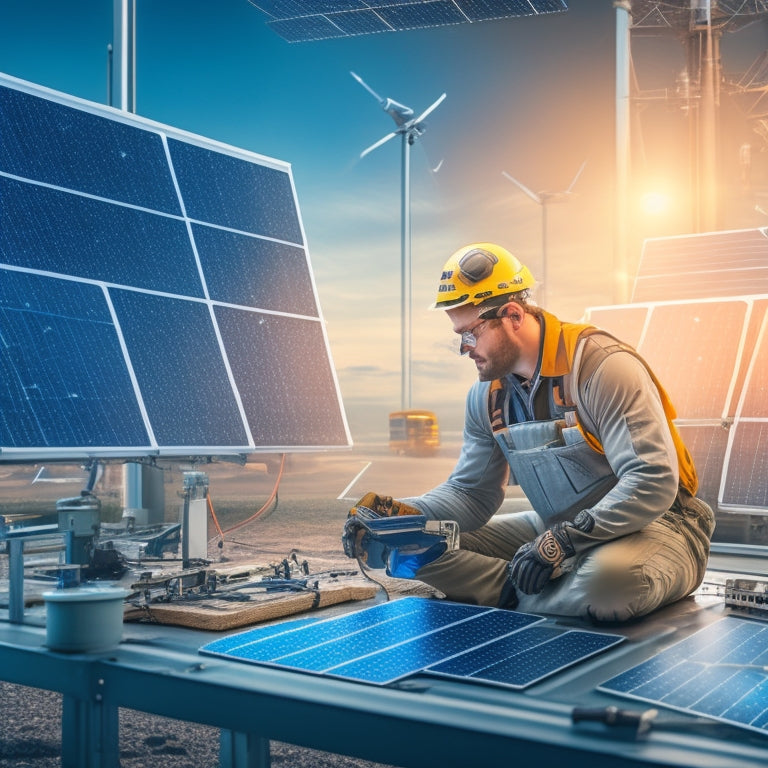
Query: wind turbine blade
428,110
367,87
536,198
378,144
576,177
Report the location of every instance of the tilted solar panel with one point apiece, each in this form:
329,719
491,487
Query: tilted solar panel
156,294
718,672
703,266
701,352
697,373
302,20
412,635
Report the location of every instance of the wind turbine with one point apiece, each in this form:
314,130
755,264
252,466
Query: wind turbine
544,199
410,128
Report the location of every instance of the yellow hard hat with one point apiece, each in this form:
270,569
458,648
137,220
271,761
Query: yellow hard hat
479,272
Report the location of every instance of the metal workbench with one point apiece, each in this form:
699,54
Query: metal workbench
418,722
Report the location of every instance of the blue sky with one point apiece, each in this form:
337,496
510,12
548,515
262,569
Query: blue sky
532,96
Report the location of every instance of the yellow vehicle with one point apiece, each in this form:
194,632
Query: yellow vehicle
414,432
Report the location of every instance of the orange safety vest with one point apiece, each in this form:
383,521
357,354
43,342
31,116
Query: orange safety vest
557,358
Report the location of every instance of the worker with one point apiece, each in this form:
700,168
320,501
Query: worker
578,420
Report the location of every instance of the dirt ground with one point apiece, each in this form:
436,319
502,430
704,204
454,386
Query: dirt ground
264,522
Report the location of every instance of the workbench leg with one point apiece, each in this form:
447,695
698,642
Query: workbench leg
90,734
16,581
243,750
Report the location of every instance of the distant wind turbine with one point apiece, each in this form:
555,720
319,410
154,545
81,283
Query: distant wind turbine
410,128
544,199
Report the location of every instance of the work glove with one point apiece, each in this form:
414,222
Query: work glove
385,506
536,562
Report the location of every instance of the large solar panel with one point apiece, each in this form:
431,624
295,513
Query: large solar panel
719,672
394,640
676,339
718,389
703,266
156,293
303,20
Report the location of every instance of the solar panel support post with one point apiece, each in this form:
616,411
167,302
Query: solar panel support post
124,58
405,271
194,518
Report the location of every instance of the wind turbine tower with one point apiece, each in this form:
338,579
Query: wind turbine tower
544,199
409,128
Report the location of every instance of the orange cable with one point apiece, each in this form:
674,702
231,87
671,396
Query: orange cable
260,511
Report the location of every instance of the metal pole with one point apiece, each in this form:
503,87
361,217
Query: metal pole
710,76
621,276
405,274
124,43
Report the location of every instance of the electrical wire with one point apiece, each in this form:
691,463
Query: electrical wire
259,512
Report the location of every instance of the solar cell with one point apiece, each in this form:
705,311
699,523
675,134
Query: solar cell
393,640
718,672
156,293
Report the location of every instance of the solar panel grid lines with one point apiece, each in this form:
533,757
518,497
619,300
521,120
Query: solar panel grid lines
717,672
182,262
728,263
300,21
390,641
711,357
698,375
743,486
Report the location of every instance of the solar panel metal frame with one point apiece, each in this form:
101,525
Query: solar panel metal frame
297,21
395,640
677,674
299,420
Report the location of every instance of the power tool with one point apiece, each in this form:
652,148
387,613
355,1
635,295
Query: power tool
402,544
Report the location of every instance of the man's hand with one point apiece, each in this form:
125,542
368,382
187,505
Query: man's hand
385,506
534,564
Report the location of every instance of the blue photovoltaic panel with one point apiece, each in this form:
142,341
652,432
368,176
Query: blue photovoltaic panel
525,658
70,148
62,371
718,672
270,275
156,294
229,191
279,384
302,20
396,639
